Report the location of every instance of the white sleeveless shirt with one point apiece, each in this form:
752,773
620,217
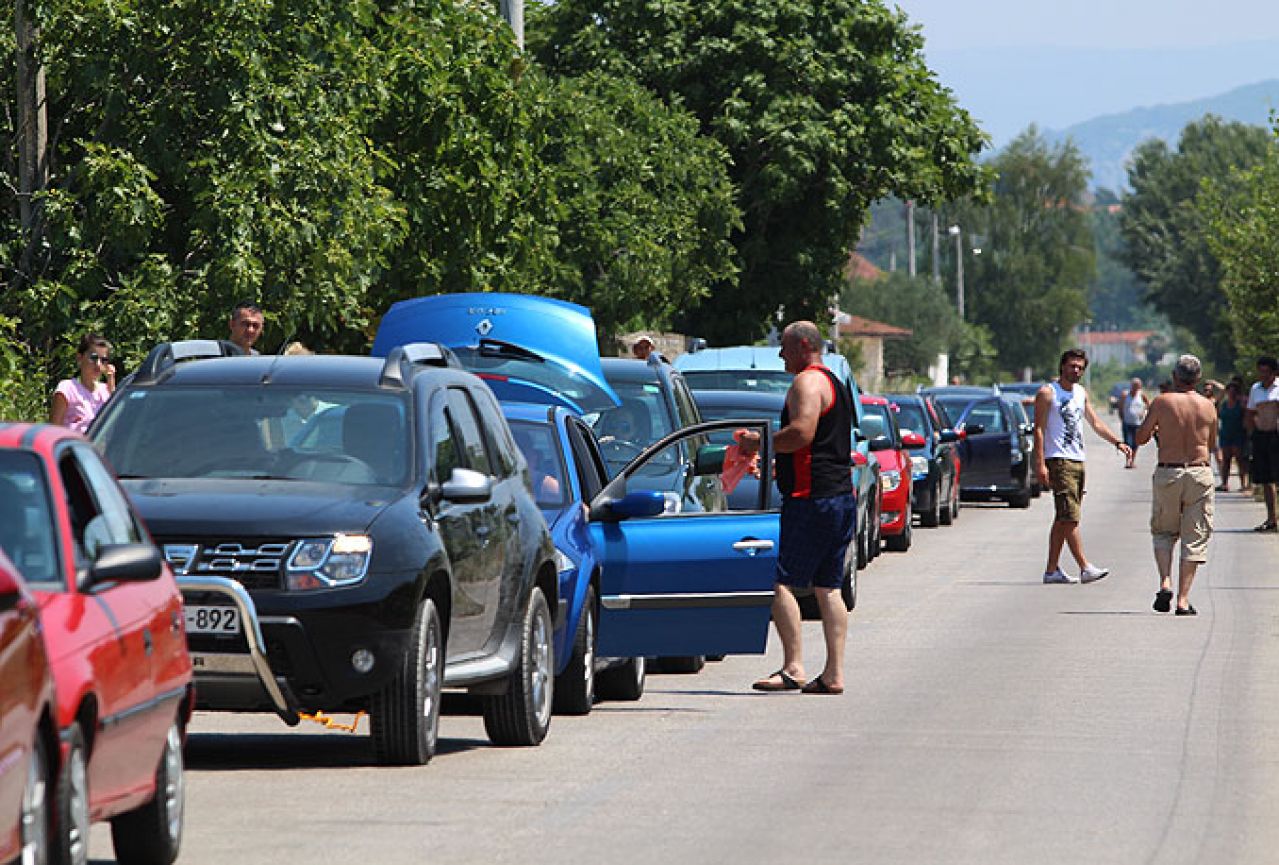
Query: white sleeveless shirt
1064,433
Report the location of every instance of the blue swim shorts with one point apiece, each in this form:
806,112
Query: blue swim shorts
815,534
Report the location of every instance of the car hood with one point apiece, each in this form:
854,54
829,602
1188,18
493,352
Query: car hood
527,349
252,508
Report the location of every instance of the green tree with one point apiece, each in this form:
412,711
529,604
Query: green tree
918,304
1165,231
824,107
1029,284
1242,219
1116,299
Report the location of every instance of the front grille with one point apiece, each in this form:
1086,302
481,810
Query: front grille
255,563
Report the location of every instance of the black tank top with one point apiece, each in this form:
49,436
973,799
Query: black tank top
823,468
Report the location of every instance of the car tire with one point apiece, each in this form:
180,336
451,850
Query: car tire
683,664
71,804
900,543
1020,499
35,825
522,715
405,715
946,511
863,545
876,531
848,589
152,834
932,517
575,687
623,682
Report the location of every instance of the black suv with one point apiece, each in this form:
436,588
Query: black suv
348,533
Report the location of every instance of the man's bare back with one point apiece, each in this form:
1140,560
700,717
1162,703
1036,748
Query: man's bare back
1186,424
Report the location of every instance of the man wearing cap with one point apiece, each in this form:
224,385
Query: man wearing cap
642,347
1182,487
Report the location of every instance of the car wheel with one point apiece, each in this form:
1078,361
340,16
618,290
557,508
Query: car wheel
848,589
71,804
522,715
876,531
954,503
683,664
1020,499
575,687
624,682
863,546
152,834
901,543
945,509
931,517
34,825
405,715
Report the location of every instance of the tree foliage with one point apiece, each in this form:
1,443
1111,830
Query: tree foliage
824,107
1029,284
1166,232
916,303
1242,219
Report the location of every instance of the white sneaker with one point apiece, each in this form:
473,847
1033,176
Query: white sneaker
1060,576
1092,574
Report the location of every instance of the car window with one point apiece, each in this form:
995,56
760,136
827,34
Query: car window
501,446
93,524
467,426
688,414
760,380
445,452
874,423
726,412
910,417
989,415
26,520
537,441
119,525
591,473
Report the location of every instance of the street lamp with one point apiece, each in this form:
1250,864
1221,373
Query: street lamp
956,232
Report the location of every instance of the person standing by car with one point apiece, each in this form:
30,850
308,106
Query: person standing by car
246,325
1061,407
818,515
1182,487
1261,419
1132,411
76,401
1231,436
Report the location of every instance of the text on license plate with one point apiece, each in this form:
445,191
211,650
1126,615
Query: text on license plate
213,620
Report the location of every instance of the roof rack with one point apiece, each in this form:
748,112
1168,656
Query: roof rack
168,354
402,360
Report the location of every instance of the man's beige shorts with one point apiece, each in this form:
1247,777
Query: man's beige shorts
1066,478
1181,508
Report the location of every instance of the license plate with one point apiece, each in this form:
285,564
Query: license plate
213,620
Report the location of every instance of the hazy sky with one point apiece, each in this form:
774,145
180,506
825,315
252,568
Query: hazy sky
949,24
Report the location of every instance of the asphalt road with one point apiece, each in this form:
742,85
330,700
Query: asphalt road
989,719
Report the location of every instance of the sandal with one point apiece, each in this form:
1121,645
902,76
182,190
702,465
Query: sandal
1188,610
1267,526
785,682
1163,601
819,686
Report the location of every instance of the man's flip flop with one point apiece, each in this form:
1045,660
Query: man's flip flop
819,686
1163,601
1188,610
1267,526
784,682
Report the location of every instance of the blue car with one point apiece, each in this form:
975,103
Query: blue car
639,578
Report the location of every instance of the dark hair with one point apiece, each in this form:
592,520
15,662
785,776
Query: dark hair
92,340
1268,362
245,306
1072,354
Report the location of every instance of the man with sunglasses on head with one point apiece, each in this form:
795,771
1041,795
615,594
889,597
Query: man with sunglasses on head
77,401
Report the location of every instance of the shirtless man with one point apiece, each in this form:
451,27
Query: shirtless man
1182,499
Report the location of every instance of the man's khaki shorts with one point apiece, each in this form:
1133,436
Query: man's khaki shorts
1066,478
1181,509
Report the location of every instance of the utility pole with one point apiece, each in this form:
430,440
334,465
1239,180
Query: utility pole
959,267
910,237
513,12
33,129
936,252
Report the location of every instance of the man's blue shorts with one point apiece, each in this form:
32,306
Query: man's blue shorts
815,534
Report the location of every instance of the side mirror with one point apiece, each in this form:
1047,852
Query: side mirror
949,436
974,429
125,563
709,459
641,503
881,443
467,487
10,592
913,440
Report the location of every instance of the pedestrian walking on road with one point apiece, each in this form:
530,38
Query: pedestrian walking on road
77,401
1182,487
818,517
1132,411
1061,407
1231,436
246,326
1261,419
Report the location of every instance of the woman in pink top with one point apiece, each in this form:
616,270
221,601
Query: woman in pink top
76,401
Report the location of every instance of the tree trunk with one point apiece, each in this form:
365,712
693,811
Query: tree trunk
33,135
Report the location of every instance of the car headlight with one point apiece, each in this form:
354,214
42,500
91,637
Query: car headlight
918,468
325,563
563,561
890,480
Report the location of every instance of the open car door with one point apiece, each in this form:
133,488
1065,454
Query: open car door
680,581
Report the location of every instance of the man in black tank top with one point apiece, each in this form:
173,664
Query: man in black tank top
819,513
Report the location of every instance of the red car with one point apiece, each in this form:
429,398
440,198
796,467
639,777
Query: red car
879,425
115,638
28,740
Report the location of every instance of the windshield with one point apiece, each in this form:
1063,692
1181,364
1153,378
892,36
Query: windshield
763,380
955,405
270,433
910,417
545,463
643,418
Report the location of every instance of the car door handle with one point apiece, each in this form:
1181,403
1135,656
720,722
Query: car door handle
753,546
147,642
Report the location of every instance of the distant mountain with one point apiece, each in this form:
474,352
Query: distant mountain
1108,141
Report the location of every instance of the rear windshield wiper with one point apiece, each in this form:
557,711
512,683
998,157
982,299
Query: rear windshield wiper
498,348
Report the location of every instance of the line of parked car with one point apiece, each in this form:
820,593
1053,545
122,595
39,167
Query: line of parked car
484,505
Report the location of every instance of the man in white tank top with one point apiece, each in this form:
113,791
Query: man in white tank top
1061,407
